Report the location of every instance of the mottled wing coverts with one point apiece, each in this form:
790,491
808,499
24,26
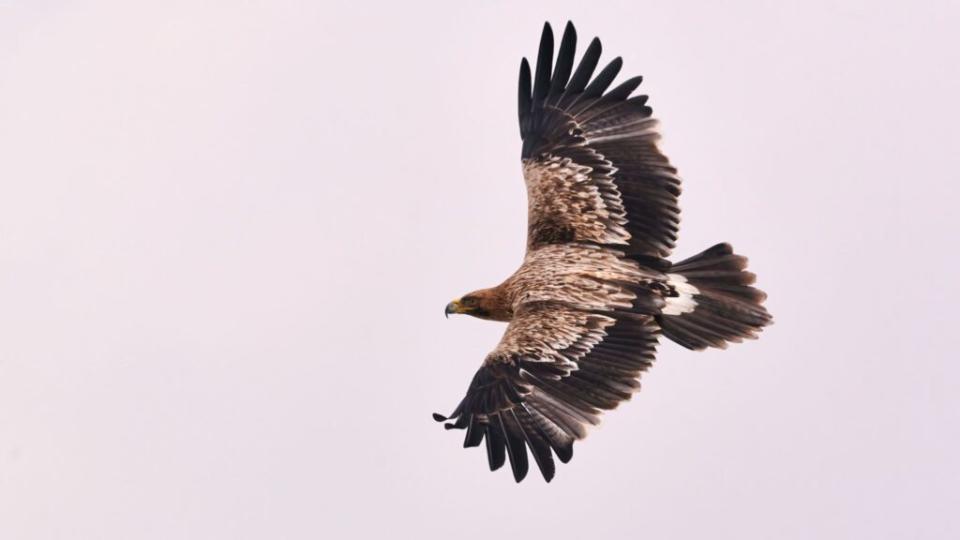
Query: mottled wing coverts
592,167
550,334
550,377
565,204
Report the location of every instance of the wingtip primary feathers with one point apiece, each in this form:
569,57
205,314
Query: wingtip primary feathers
565,58
580,78
524,101
541,82
603,80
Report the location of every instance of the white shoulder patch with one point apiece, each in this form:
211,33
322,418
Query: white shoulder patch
684,302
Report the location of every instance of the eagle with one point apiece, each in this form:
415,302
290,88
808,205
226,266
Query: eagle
596,288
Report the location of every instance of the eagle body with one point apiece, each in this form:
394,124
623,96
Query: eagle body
596,289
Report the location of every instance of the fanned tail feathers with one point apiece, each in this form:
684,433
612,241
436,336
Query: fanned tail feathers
714,301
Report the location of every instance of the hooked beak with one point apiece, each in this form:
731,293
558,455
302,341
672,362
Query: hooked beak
452,307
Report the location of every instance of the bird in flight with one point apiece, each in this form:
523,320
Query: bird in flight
596,289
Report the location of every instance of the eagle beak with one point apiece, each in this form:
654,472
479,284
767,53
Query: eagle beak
452,307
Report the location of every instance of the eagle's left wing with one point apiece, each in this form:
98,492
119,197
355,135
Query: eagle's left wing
593,170
556,368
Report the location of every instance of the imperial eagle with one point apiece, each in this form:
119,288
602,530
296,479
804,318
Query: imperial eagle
596,289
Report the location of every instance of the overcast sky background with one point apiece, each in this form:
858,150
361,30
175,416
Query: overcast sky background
228,230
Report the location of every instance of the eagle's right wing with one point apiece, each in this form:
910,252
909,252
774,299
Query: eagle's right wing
556,368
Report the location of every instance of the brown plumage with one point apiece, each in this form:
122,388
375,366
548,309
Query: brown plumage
595,290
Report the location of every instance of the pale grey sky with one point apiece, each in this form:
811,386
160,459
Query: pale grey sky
228,230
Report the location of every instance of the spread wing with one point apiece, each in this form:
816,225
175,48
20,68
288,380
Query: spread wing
590,158
555,370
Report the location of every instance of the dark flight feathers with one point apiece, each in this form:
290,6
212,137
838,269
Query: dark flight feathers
571,116
524,403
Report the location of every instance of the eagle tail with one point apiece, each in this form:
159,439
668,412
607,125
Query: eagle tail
713,301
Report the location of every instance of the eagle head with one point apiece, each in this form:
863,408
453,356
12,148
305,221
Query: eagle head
484,304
